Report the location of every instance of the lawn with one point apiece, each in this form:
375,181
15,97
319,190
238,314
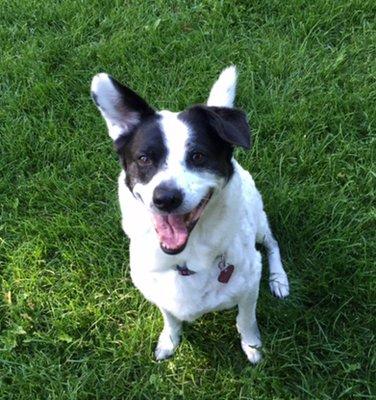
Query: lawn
72,326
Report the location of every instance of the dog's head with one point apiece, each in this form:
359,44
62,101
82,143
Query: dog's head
173,161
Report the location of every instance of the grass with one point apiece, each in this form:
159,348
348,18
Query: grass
72,324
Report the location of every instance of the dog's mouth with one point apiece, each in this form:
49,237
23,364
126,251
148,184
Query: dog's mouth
173,230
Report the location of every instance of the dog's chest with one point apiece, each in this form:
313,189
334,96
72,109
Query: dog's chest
189,295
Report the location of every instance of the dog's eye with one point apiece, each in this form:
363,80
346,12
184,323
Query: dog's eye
197,158
144,161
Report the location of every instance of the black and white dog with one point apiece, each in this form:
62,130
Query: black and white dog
192,213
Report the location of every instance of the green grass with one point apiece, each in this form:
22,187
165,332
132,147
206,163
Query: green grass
72,324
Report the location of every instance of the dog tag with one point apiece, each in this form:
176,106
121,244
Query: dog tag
225,274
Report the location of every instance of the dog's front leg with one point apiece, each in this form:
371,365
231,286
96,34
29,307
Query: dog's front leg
247,326
169,338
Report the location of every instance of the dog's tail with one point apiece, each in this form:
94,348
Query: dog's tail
222,94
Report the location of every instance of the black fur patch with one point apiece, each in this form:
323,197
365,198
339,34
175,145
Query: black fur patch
147,139
205,139
232,125
131,101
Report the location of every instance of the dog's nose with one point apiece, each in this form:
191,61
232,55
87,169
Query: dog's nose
167,198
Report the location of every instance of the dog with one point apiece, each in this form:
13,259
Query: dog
192,213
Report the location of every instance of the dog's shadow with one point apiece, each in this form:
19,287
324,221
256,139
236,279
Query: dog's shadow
214,340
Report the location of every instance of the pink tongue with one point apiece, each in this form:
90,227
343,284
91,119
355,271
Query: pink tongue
171,230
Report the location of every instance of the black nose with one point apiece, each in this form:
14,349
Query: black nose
167,198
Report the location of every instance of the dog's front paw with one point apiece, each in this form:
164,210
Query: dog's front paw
163,353
252,352
166,346
279,285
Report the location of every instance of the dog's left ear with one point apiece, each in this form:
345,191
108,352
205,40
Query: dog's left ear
121,107
229,124
232,126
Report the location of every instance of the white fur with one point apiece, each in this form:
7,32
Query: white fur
232,222
222,93
230,225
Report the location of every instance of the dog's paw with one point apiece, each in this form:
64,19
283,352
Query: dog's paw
166,346
163,354
279,285
252,352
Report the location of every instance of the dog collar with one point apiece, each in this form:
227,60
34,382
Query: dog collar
184,270
224,276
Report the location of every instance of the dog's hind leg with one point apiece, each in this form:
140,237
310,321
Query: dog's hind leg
278,281
169,338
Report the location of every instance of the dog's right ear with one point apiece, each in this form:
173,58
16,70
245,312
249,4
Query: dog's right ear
121,107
